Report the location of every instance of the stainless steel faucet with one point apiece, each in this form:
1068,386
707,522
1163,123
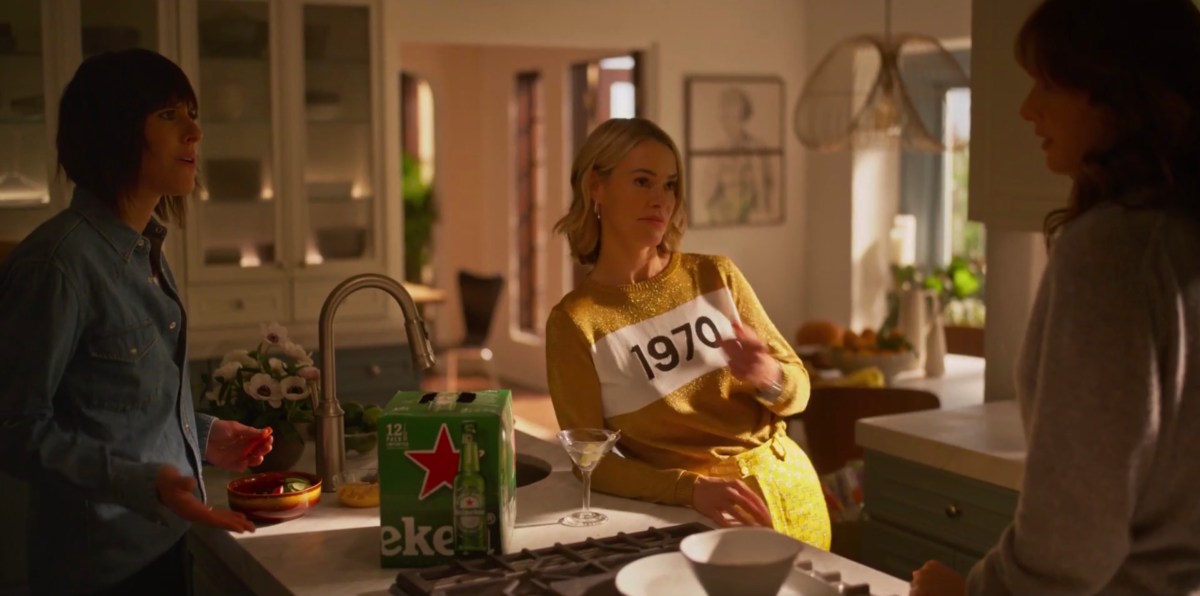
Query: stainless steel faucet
331,450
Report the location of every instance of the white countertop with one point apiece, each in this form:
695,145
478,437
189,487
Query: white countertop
335,549
985,442
961,385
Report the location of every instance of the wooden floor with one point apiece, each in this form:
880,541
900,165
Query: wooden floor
532,409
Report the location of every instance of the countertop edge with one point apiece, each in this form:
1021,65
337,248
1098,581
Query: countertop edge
984,467
977,442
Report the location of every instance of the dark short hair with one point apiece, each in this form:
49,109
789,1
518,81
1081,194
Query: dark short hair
1138,60
101,121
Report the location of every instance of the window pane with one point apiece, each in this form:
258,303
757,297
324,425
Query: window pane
529,175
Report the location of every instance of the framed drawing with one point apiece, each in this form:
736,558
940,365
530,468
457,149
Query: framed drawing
734,151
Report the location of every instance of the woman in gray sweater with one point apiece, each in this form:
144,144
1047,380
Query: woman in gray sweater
1109,377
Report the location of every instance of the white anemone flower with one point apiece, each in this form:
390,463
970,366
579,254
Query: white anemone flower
277,365
240,356
294,388
296,352
274,334
264,387
227,371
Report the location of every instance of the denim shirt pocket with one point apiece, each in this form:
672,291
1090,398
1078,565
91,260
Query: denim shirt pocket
125,373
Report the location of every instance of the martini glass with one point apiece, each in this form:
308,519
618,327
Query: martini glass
587,446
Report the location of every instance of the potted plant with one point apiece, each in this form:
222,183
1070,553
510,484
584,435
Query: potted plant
959,288
419,216
273,385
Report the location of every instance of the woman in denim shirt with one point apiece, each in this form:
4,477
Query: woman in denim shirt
95,409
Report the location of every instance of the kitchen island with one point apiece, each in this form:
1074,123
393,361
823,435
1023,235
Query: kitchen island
940,484
335,549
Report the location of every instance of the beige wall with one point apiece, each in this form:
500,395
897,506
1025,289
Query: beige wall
682,37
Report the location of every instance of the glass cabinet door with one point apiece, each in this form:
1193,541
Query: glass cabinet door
25,156
115,25
237,214
339,173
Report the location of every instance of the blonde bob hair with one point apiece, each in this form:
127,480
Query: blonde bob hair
601,152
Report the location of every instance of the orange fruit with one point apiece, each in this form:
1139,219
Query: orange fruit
820,333
850,340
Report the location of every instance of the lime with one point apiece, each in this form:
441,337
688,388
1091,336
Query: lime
361,442
371,415
354,414
293,484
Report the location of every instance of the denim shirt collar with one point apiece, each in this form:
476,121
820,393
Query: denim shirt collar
116,232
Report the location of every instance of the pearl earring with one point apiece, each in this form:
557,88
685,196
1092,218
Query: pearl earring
597,206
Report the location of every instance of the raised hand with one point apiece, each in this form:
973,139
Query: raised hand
749,358
729,502
235,446
176,492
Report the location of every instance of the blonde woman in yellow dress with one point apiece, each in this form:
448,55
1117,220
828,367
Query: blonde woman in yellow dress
674,350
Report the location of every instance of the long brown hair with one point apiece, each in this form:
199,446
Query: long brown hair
1138,60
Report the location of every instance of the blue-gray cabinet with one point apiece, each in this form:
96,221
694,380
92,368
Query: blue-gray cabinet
917,513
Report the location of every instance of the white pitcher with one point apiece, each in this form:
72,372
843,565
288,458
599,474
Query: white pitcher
912,319
935,340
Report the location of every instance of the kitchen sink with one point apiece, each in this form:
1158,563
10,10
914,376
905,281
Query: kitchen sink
531,469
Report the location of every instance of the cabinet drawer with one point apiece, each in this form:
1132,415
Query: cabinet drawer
372,375
964,562
899,553
235,304
364,304
961,512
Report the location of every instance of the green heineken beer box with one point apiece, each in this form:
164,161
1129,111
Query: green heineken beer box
447,481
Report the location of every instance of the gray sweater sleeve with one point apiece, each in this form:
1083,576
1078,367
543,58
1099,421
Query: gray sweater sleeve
1088,385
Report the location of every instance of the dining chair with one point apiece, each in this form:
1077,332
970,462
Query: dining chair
964,340
828,420
479,295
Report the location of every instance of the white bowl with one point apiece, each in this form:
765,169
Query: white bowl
891,363
748,561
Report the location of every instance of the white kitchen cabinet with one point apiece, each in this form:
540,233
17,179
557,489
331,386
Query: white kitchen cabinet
41,44
293,157
1010,187
297,192
918,513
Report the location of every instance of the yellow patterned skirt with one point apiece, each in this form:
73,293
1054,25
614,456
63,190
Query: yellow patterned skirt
780,472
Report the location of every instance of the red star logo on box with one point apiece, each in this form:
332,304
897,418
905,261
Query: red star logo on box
440,463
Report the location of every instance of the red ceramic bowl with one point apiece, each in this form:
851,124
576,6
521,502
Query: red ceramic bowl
255,496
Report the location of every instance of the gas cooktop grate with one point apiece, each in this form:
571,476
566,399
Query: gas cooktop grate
534,572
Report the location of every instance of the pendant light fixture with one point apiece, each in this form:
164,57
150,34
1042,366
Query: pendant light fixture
863,91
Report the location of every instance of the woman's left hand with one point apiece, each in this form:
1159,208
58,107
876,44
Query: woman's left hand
749,358
235,446
936,579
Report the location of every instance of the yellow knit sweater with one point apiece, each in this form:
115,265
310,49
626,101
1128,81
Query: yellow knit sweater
644,359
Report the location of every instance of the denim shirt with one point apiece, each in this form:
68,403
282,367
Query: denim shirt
95,395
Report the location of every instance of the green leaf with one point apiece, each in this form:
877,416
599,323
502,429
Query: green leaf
965,283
